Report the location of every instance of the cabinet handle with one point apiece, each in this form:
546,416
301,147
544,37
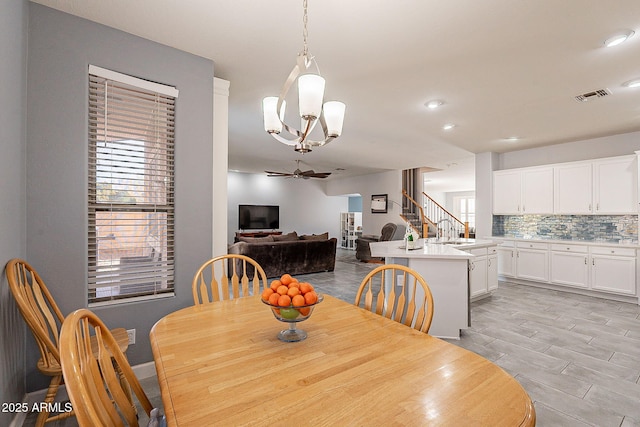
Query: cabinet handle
589,207
593,261
488,262
585,260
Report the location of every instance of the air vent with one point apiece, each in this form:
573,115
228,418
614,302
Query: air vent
589,96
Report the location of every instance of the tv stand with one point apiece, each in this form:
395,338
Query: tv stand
257,233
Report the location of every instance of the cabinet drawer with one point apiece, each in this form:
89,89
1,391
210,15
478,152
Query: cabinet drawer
507,244
532,245
492,250
477,251
581,249
601,250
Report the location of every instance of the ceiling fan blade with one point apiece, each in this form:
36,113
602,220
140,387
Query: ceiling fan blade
318,174
271,173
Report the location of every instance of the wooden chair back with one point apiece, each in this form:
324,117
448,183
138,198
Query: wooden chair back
228,276
39,311
396,291
99,380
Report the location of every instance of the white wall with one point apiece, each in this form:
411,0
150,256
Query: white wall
304,205
389,183
608,146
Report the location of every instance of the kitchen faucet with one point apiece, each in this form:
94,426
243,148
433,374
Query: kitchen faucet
438,236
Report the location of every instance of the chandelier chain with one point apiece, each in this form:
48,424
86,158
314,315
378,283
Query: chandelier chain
305,33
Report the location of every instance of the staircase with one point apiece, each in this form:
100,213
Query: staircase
426,221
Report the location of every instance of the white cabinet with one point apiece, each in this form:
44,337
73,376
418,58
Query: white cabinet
537,191
483,271
492,269
615,186
532,261
572,189
506,253
580,266
613,270
569,265
350,229
523,191
506,192
606,186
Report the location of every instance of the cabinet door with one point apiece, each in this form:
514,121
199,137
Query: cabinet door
492,273
537,191
568,268
615,186
477,276
506,262
572,189
506,192
532,264
613,274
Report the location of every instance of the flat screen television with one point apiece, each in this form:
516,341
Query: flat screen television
258,217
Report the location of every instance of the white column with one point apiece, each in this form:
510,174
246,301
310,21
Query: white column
220,164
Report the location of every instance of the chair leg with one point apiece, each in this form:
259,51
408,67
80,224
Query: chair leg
43,416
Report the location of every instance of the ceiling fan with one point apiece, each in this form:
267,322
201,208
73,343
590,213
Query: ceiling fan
299,173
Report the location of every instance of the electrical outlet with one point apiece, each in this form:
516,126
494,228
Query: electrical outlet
132,336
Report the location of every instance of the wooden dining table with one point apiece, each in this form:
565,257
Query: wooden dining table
222,364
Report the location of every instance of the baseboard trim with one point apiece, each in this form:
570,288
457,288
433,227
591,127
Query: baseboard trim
142,371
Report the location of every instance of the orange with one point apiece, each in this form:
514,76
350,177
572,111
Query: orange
266,294
286,279
293,291
275,284
282,290
304,311
297,300
273,298
306,287
284,301
294,285
311,297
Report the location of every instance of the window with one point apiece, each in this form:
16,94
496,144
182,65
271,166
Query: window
465,210
131,188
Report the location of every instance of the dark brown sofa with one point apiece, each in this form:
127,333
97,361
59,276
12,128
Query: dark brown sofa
291,254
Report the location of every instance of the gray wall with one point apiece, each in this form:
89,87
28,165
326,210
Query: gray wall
61,47
13,50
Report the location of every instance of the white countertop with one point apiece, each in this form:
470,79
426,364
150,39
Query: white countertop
622,243
395,249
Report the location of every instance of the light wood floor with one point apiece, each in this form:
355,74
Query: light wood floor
578,357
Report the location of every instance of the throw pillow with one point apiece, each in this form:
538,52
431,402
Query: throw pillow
290,237
256,239
323,236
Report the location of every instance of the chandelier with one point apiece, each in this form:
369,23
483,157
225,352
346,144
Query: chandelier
312,111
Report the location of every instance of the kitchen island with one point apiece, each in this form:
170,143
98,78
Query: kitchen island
445,267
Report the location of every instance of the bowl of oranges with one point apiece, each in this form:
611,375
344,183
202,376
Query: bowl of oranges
291,301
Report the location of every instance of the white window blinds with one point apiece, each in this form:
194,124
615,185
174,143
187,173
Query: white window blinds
131,188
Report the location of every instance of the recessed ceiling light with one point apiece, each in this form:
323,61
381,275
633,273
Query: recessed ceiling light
434,104
512,138
618,38
448,126
632,83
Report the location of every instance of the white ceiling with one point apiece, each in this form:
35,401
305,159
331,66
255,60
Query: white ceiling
503,67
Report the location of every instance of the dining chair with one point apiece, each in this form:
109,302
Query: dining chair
396,291
44,318
100,387
214,278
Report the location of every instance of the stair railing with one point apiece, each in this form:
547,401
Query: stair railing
423,229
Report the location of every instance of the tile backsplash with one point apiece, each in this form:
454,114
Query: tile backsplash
614,228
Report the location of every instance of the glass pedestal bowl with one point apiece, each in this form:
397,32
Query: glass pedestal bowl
292,315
